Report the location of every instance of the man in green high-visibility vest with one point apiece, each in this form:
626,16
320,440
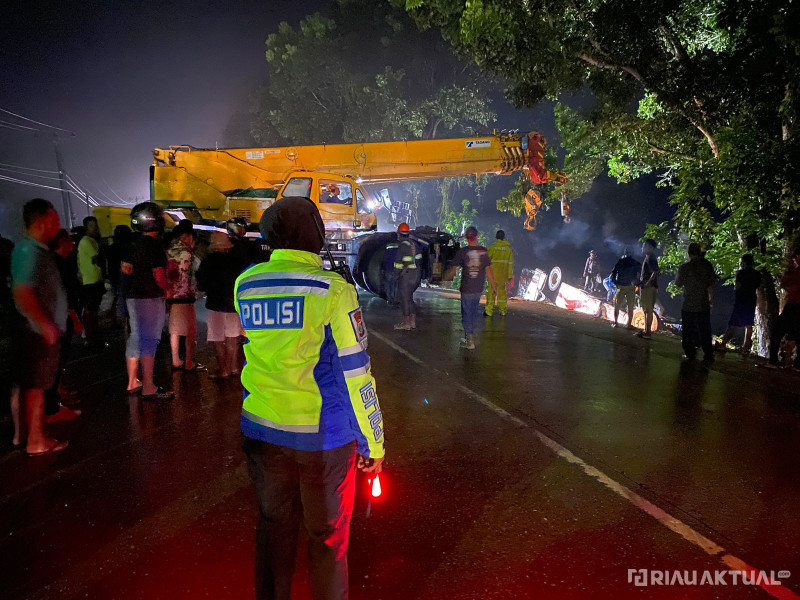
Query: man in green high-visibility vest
310,415
502,258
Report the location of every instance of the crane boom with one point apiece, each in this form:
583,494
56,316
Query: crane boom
210,177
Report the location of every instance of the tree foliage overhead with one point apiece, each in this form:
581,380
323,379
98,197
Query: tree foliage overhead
364,73
700,92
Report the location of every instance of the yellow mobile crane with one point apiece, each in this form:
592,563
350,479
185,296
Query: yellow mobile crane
220,183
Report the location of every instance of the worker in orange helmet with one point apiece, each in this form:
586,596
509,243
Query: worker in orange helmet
406,267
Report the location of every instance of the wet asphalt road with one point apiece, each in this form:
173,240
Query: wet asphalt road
534,467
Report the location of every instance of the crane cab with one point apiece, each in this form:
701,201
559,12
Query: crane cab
341,201
342,205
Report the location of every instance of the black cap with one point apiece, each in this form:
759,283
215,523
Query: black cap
183,226
293,223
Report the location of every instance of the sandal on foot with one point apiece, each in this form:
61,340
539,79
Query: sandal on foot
52,448
159,394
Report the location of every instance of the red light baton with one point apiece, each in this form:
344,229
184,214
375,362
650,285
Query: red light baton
375,493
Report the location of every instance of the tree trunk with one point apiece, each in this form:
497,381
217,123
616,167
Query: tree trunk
766,313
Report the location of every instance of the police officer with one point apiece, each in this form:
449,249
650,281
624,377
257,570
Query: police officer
310,413
408,276
502,258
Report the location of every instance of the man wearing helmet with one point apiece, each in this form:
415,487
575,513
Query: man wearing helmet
146,268
407,272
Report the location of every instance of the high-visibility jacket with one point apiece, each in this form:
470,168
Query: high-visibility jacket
502,258
307,378
407,255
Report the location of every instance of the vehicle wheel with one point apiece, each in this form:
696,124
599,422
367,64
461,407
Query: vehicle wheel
554,280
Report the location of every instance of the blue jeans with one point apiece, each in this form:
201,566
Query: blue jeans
146,316
470,304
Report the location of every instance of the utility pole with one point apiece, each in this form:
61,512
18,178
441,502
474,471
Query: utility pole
65,196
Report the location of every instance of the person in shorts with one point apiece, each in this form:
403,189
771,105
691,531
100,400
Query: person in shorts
625,277
748,280
216,277
181,296
147,281
41,300
648,279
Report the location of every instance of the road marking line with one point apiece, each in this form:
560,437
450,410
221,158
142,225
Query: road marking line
651,509
487,403
663,517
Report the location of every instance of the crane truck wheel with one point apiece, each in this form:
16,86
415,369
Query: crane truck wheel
370,260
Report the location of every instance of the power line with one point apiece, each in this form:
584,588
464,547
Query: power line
96,187
13,114
112,190
13,127
22,182
82,195
27,168
18,125
29,174
105,198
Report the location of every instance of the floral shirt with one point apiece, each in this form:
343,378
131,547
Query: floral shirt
181,273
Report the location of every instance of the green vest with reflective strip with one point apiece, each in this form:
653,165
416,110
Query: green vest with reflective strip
307,378
407,255
502,258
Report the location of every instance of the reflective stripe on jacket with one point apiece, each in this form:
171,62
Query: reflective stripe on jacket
407,255
502,258
307,378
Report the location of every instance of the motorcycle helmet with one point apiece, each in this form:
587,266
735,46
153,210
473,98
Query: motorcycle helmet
147,217
236,226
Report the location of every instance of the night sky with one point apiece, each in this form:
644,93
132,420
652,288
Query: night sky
127,77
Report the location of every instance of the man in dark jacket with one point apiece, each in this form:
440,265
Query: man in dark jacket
626,277
216,277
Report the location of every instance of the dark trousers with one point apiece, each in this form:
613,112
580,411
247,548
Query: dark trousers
316,489
406,288
696,331
52,399
390,285
788,323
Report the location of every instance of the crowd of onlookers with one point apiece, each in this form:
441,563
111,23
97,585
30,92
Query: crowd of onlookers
696,279
55,283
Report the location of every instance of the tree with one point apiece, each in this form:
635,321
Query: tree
364,74
701,93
